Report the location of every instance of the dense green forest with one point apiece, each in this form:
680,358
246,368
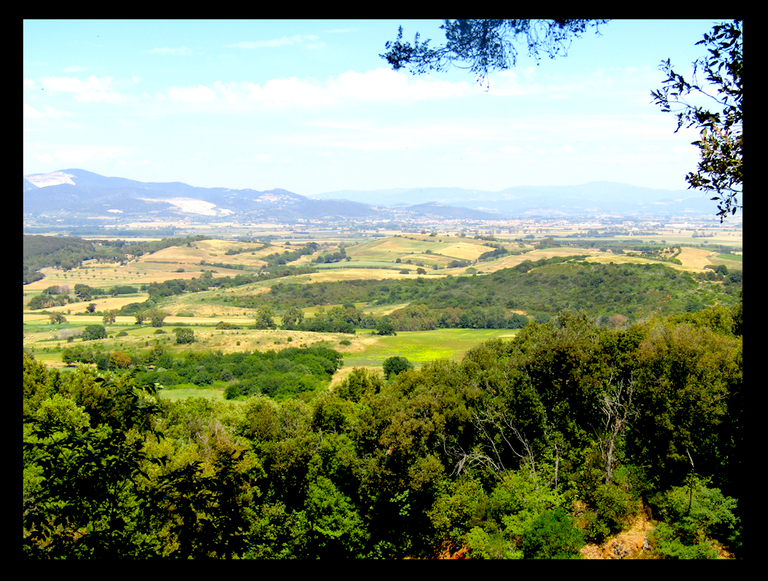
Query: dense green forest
540,288
527,448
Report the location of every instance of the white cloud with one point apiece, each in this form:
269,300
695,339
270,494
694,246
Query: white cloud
88,153
284,41
386,85
176,51
199,94
46,112
31,112
281,93
88,90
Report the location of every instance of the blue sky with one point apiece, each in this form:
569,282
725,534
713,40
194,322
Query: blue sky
309,106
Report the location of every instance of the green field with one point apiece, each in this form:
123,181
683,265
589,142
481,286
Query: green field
422,346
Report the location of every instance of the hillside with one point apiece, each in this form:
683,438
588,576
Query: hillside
77,195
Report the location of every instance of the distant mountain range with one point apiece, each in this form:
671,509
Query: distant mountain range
79,194
588,199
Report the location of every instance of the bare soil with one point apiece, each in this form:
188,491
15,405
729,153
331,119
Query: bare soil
631,543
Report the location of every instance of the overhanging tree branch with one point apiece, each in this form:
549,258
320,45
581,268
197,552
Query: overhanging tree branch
720,168
484,45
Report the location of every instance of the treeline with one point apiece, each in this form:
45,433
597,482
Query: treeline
69,252
278,374
527,448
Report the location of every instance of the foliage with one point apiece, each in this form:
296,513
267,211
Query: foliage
483,46
720,139
90,458
553,536
359,384
541,288
395,365
264,318
492,453
94,332
692,515
93,490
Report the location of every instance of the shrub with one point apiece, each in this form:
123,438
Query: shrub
184,336
693,514
553,536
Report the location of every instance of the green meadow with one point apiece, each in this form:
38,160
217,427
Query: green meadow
422,346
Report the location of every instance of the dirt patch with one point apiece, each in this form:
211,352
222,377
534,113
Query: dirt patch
631,543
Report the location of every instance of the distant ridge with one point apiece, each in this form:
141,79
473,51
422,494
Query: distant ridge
590,198
80,194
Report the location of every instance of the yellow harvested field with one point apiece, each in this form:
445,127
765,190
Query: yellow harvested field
695,258
465,250
331,275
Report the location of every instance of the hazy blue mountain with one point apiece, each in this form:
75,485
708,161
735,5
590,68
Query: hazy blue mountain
590,198
76,193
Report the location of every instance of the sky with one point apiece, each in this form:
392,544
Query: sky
309,106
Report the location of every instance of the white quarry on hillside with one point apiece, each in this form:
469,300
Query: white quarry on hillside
43,180
193,206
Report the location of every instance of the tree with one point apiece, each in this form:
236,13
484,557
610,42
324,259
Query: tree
396,365
157,316
109,316
264,318
292,318
483,46
184,336
385,327
57,318
720,167
93,332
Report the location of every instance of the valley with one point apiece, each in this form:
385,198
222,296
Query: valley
264,352
372,255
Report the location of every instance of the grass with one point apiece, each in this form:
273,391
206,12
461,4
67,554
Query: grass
422,346
186,392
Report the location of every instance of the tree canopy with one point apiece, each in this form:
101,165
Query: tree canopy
483,45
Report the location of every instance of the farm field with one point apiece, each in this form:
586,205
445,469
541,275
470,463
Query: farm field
420,346
366,259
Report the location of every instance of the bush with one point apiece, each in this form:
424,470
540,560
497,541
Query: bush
693,514
232,391
184,336
612,506
553,536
